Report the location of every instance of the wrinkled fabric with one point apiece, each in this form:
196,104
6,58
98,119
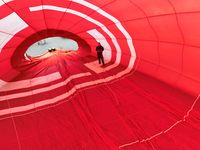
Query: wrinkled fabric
145,97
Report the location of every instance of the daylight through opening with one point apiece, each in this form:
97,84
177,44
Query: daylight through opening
48,44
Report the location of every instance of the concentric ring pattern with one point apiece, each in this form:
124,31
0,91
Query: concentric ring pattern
145,97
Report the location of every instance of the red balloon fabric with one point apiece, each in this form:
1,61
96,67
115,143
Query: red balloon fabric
145,97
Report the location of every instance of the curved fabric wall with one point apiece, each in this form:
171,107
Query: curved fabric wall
142,39
165,34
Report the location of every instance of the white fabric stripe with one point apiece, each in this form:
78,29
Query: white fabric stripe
102,26
5,1
61,97
117,23
11,24
8,86
73,90
100,38
45,89
94,66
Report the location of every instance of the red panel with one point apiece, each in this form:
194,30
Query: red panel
185,6
19,4
101,3
190,60
189,24
8,131
53,18
35,20
168,75
82,27
139,29
147,67
118,8
14,42
60,3
188,84
171,56
154,7
69,21
172,34
148,51
80,8
5,11
69,101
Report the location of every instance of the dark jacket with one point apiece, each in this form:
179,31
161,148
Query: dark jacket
99,49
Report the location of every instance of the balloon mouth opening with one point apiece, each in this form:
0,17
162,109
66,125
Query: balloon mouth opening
20,56
50,46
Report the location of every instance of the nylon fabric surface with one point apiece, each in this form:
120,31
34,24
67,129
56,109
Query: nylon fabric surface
146,97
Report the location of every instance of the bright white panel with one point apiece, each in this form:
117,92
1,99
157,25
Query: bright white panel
9,26
100,38
9,86
5,1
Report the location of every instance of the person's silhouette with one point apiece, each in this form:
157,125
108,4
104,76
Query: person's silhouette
100,50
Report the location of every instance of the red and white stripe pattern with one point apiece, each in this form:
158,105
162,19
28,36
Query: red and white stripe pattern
24,89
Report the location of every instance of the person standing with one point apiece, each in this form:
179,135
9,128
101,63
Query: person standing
100,50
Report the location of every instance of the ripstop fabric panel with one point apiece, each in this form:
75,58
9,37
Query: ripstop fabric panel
145,97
